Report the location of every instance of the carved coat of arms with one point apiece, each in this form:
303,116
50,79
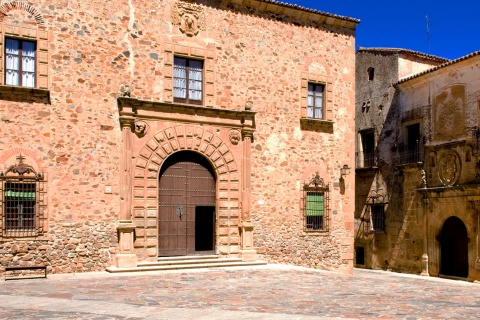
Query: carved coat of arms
189,16
449,168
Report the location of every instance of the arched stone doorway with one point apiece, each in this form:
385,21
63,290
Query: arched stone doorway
186,205
454,248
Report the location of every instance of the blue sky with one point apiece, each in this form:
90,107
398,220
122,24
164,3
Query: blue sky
454,25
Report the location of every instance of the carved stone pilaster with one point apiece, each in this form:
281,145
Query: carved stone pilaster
126,258
247,252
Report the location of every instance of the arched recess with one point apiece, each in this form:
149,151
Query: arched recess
454,248
187,205
20,5
146,178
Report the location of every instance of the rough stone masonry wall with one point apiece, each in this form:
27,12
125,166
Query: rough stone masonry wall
261,57
74,138
97,46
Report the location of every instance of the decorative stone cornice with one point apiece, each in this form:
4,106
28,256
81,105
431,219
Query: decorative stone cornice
152,110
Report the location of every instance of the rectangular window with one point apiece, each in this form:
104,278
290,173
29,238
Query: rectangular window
20,63
378,218
315,210
188,81
368,146
412,151
316,205
315,101
19,206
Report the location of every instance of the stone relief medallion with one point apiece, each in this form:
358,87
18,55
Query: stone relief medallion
189,16
235,137
449,168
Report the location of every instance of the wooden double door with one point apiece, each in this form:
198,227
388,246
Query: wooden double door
186,208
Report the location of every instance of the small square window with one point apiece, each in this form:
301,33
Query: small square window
20,59
315,108
188,81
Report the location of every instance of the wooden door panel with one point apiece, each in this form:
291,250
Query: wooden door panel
186,182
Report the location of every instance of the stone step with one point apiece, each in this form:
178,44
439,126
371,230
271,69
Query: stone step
181,258
193,260
153,266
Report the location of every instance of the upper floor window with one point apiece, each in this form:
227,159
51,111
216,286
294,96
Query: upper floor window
188,81
371,73
20,62
315,100
412,150
368,148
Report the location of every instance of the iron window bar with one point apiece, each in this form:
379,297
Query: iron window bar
316,205
22,193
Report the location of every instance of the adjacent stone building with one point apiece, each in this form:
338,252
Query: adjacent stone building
136,129
417,186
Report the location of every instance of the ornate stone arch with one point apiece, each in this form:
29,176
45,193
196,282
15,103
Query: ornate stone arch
146,177
20,5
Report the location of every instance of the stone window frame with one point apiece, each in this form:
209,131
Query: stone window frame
206,55
24,174
38,34
326,123
316,185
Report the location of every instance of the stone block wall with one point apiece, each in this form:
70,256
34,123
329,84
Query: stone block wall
256,53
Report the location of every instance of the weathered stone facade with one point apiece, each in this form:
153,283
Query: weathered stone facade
101,121
425,173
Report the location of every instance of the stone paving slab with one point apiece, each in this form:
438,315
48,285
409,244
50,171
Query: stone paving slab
265,292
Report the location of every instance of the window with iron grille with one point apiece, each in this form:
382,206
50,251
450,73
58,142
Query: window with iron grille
315,101
377,216
22,200
20,62
188,80
316,205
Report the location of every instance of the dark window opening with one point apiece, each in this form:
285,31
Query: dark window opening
412,151
371,74
368,145
378,218
188,81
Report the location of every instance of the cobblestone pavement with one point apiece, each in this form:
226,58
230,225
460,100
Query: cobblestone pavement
269,292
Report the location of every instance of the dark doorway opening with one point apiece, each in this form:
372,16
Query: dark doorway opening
204,228
454,248
360,255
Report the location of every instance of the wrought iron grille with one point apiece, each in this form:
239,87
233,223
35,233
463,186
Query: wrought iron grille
412,154
368,159
316,205
374,215
22,205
